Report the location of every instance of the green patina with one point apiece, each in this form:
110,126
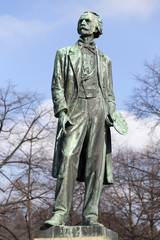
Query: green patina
84,102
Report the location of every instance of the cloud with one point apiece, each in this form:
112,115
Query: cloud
140,135
125,8
11,27
122,9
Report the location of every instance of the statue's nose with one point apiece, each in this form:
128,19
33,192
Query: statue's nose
83,22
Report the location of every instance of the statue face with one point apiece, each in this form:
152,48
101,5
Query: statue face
86,24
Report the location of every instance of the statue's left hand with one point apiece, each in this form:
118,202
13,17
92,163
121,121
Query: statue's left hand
110,118
112,115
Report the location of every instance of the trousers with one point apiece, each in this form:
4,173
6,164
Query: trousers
87,133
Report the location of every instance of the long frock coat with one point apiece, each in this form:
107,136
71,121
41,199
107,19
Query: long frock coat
67,71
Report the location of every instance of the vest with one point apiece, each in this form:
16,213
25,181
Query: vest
88,83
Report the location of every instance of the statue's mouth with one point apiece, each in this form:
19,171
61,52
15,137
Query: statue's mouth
83,28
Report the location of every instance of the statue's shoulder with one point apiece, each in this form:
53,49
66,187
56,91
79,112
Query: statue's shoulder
63,51
66,50
105,57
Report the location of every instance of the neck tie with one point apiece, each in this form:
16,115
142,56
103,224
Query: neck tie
90,46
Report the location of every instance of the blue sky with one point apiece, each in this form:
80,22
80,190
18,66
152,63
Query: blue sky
32,31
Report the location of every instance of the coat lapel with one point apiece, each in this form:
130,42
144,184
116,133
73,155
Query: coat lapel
76,60
100,66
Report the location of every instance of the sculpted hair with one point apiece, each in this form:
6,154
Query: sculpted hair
98,24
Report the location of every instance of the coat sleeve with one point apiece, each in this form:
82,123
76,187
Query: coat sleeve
57,87
111,98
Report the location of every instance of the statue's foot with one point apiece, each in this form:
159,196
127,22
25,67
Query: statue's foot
92,222
55,221
97,224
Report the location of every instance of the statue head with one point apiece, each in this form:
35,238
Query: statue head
90,23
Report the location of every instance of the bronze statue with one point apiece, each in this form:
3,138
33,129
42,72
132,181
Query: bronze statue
84,102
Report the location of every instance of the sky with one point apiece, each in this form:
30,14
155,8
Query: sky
32,31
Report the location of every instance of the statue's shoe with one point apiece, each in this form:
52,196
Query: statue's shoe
92,222
55,221
97,224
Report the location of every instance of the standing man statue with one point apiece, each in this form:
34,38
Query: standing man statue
84,103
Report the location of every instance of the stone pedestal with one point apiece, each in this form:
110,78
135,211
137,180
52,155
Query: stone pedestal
78,238
76,233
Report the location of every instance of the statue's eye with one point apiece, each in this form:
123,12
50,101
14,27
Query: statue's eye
86,20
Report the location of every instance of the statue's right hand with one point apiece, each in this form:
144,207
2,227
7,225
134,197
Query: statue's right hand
63,120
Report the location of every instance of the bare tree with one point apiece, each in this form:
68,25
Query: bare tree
145,100
131,206
27,129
